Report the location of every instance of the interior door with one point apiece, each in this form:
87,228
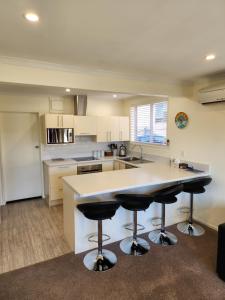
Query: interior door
21,166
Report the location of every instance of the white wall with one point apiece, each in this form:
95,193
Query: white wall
100,107
37,103
203,140
30,103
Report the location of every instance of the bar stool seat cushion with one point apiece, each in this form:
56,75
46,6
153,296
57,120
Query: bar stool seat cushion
196,186
135,202
194,189
166,200
168,191
99,210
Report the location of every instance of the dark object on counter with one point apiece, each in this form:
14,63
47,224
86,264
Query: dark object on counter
221,252
108,153
123,151
183,166
112,147
99,259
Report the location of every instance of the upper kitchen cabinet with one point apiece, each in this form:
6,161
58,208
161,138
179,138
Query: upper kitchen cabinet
124,125
112,129
103,129
67,121
85,125
59,121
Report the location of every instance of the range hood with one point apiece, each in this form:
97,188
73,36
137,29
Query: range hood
80,105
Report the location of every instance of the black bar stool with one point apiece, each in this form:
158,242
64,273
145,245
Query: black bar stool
195,186
165,196
99,259
134,202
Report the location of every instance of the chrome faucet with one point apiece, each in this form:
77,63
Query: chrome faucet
141,150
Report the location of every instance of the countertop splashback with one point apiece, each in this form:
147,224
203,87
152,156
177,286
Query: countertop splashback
74,150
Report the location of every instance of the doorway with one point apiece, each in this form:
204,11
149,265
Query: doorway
20,156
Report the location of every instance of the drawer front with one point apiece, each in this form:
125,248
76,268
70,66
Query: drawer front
56,193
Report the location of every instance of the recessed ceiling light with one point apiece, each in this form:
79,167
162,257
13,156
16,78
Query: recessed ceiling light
210,57
31,17
115,96
68,90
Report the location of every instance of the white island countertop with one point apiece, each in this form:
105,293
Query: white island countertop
148,174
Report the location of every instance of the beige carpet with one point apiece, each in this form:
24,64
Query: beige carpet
185,271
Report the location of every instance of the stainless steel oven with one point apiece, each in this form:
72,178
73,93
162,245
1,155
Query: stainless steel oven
86,169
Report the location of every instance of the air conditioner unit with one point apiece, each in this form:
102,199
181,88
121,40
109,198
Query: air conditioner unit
212,94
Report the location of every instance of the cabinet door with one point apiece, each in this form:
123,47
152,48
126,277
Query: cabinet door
114,129
52,121
103,129
107,166
124,129
122,165
85,125
118,165
67,121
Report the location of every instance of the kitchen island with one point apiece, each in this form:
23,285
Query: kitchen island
103,186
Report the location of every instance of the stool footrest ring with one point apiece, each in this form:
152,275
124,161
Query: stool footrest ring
130,226
93,238
184,209
157,221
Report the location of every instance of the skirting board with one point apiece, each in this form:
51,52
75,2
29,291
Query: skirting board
207,224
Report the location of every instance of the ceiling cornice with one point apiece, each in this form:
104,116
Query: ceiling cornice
98,72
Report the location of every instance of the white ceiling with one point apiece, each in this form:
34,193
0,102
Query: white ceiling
145,38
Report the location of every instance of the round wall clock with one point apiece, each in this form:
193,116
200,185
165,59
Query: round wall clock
181,120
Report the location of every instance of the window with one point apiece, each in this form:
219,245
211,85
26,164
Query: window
148,123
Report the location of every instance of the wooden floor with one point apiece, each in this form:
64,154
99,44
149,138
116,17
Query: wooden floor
30,232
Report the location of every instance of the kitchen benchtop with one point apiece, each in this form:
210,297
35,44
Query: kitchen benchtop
148,174
69,161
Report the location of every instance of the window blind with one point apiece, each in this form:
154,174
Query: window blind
148,123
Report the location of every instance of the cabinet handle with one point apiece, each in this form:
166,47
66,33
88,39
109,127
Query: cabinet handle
121,135
110,136
63,167
62,121
58,121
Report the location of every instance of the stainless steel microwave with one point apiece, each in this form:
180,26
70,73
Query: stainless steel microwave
60,135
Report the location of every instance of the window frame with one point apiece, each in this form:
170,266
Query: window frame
151,103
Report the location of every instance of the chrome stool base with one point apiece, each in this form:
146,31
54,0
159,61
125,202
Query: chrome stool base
190,229
162,238
136,247
100,262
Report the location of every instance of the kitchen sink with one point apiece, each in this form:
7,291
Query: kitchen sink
136,160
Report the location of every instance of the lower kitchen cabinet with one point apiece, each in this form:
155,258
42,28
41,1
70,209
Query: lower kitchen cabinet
53,184
118,165
107,166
